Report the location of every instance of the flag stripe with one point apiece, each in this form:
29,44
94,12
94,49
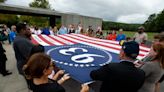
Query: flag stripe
54,41
98,46
40,41
45,39
61,36
96,39
94,45
145,49
112,46
33,40
101,44
61,40
116,46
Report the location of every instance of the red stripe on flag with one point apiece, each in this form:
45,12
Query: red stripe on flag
57,40
67,39
33,40
94,39
98,44
45,40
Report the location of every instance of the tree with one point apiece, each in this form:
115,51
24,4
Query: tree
108,25
2,1
155,22
37,20
8,19
150,23
160,22
40,4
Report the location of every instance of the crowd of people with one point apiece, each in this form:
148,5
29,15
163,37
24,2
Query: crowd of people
10,34
127,76
140,36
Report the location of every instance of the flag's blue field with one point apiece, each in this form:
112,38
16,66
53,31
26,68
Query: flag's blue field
79,60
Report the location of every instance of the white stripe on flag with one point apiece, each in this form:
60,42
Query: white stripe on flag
110,41
51,40
96,39
40,41
94,45
105,44
62,40
145,48
98,42
97,46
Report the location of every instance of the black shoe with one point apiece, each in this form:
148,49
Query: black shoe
7,73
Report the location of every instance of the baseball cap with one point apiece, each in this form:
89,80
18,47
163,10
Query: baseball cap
131,49
141,28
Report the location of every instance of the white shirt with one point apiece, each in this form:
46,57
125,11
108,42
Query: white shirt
139,38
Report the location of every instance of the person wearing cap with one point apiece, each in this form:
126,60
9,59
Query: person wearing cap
120,36
140,37
123,76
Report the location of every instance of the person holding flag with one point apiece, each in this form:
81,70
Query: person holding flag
123,76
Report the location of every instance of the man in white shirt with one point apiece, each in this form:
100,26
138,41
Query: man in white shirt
140,37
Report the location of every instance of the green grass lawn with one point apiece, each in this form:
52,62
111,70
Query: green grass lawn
131,34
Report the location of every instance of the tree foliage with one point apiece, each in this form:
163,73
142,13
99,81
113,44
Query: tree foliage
155,22
2,1
107,25
40,4
37,20
150,22
8,19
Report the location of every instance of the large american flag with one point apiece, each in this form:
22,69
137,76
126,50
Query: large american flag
79,54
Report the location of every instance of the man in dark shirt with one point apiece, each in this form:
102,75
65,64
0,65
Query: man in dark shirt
123,76
22,45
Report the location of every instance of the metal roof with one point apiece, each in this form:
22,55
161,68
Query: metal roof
14,9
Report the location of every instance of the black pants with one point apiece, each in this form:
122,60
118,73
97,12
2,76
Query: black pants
3,67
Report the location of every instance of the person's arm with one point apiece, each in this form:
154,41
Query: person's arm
56,76
145,38
147,68
100,74
84,88
124,38
161,79
64,78
157,87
